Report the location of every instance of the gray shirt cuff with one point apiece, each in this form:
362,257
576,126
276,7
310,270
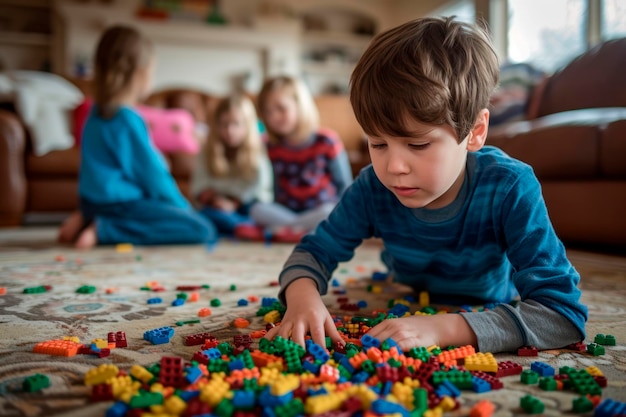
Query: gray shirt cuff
506,328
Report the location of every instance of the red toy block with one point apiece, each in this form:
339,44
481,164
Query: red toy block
120,340
171,372
527,351
242,340
197,339
600,380
188,287
103,353
578,347
200,357
101,392
508,368
209,343
493,381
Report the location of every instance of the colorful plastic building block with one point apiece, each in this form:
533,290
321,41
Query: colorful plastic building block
35,382
35,290
529,377
482,408
542,368
508,368
595,349
582,405
216,302
197,339
531,405
86,289
481,362
607,340
155,300
527,351
159,336
204,312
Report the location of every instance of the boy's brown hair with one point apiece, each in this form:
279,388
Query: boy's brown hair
121,51
308,115
434,70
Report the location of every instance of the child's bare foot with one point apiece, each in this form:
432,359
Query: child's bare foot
70,228
87,238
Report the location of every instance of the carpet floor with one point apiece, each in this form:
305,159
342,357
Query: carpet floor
233,270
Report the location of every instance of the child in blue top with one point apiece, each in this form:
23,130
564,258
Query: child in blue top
126,191
464,222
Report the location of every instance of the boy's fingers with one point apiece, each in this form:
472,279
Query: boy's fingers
297,334
318,335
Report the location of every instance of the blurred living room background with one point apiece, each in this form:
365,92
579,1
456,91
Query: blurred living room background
564,116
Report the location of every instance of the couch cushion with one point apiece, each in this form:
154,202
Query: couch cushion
613,150
59,163
594,79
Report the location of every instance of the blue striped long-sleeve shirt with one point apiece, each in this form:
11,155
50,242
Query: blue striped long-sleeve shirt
493,243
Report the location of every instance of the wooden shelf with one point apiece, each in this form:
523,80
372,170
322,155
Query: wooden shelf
335,38
327,68
25,39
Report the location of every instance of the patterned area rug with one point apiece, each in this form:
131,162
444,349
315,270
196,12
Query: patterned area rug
29,258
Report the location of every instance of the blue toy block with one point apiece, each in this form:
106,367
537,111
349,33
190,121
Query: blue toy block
268,301
178,302
360,377
368,341
236,364
480,385
242,302
345,362
187,396
409,298
362,304
118,409
542,368
243,399
213,353
610,408
266,399
193,374
386,389
159,336
335,282
155,300
311,367
398,310
318,352
381,406
379,276
447,388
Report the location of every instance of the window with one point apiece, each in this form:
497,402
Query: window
547,33
464,11
613,19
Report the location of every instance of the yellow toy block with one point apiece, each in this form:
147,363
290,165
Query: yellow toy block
175,405
141,373
74,339
124,247
594,371
272,317
101,374
100,343
481,362
424,299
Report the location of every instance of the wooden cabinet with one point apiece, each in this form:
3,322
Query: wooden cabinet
332,43
26,35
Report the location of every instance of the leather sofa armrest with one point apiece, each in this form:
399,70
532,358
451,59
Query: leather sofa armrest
561,146
12,175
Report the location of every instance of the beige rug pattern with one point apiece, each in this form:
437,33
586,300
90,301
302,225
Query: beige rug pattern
29,258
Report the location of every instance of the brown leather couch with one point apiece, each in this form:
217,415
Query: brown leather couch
31,185
575,140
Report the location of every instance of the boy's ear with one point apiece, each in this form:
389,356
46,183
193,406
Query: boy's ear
478,134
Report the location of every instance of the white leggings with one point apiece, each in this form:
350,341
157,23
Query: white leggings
274,215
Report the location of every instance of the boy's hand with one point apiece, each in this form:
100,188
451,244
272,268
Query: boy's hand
415,331
305,313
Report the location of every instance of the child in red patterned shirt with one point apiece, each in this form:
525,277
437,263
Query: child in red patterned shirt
311,167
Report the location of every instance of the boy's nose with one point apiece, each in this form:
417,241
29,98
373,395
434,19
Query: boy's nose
397,165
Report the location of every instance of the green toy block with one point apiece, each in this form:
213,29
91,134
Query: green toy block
582,405
35,382
86,289
225,408
595,349
529,377
35,290
548,384
607,340
146,400
181,295
531,405
233,287
216,302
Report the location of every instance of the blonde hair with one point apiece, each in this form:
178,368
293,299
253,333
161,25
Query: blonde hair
435,70
247,157
308,115
121,52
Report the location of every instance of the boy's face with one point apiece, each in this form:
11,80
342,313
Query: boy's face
423,171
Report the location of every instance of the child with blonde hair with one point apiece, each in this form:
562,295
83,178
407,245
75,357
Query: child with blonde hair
311,167
127,193
461,220
232,171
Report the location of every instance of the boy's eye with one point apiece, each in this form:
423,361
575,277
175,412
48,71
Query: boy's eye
419,146
377,145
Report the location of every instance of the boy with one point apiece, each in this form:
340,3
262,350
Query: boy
467,224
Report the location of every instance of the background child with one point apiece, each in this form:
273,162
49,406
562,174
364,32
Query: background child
233,170
126,191
311,167
467,224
